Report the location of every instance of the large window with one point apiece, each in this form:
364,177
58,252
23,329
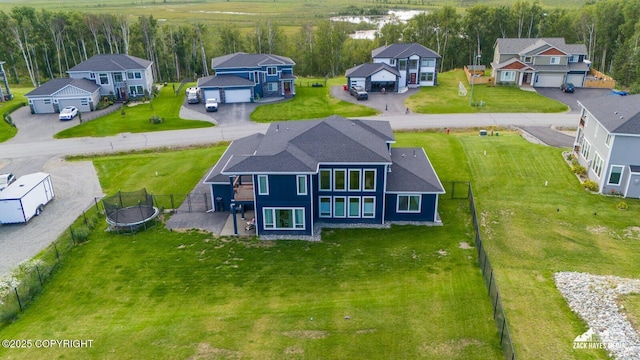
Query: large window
507,76
426,76
104,78
428,63
368,207
272,70
586,149
301,184
283,218
325,206
354,206
402,65
339,207
339,179
263,185
554,60
413,64
354,180
597,165
272,86
409,203
369,180
325,179
117,77
256,77
131,75
616,174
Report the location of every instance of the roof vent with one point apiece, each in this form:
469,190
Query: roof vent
621,117
403,155
414,153
615,112
277,127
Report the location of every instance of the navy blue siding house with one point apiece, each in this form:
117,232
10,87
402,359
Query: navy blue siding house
242,77
305,175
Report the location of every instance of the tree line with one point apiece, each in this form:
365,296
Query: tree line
40,44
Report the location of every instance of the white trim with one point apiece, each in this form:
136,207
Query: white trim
611,171
320,213
293,218
408,211
266,179
344,178
344,207
375,179
373,215
304,178
359,171
320,183
349,207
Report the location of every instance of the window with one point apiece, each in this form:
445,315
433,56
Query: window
84,101
354,207
92,75
117,77
554,60
608,141
409,203
392,62
325,179
47,101
301,183
263,185
426,76
369,180
104,78
354,180
339,179
402,65
339,207
428,63
574,58
134,75
368,207
527,59
413,64
272,70
256,77
507,76
136,90
586,149
325,206
597,165
283,219
272,86
616,174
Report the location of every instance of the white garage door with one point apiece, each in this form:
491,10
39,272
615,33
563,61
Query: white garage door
549,80
575,79
237,96
82,105
357,82
212,94
43,106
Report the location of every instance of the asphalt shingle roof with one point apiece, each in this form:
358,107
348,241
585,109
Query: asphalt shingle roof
368,69
525,45
244,146
112,62
224,81
244,60
618,114
54,85
412,172
403,51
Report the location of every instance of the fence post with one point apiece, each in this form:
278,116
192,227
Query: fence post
95,200
504,321
84,215
73,236
173,207
490,279
18,297
39,276
57,254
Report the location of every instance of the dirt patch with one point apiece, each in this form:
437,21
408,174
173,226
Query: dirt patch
206,351
597,229
366,331
632,232
306,334
443,252
465,245
294,350
447,349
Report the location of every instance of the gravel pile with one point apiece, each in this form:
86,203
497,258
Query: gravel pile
593,298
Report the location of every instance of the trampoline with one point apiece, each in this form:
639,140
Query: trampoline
130,211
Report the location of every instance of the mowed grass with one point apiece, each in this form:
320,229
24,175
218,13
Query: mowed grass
406,292
532,231
444,98
7,131
311,103
136,118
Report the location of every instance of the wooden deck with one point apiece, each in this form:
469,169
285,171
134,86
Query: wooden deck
243,192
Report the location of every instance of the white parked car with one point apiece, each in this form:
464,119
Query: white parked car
68,113
6,180
211,104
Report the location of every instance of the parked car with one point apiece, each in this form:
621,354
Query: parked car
567,87
359,92
193,95
68,113
211,104
6,180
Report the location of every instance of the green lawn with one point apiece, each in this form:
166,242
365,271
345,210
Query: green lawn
311,103
408,292
444,98
7,131
136,118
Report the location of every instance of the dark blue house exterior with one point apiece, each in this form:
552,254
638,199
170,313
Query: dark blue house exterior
305,175
242,77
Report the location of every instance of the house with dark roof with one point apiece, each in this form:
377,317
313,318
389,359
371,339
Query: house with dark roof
118,75
302,176
242,77
415,65
539,62
608,142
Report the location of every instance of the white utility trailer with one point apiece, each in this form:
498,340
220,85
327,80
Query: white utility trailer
25,198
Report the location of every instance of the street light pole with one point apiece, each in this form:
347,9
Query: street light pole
476,58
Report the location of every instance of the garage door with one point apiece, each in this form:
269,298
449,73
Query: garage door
549,80
237,96
81,104
43,106
357,82
575,79
209,94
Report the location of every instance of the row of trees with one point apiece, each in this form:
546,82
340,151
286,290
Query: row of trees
39,45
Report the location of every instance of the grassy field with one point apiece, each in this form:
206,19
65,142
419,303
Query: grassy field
444,98
7,131
161,294
136,118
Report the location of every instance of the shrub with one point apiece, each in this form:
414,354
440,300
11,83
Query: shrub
590,185
155,119
579,169
622,205
122,112
81,233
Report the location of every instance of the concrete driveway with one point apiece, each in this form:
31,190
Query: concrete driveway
571,100
389,104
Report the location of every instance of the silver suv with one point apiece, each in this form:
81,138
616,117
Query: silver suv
359,92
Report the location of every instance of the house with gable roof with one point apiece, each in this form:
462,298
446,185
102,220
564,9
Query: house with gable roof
118,75
302,176
539,62
242,77
608,142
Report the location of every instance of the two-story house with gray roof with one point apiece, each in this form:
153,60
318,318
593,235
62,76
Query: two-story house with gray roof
116,75
242,77
608,143
396,68
541,62
304,175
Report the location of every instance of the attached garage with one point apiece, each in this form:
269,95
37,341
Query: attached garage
237,96
211,94
82,104
374,77
357,82
41,106
549,80
59,93
576,79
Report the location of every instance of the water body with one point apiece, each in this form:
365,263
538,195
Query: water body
392,17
